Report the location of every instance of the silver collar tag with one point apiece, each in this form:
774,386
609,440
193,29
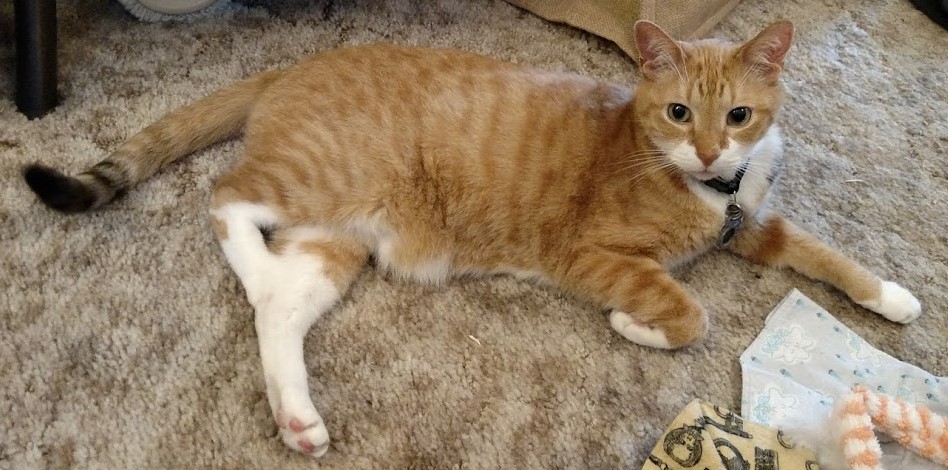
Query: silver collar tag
733,218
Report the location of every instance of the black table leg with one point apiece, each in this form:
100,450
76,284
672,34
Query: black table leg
35,56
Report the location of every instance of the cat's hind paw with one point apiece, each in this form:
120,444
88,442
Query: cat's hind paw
307,437
895,303
637,332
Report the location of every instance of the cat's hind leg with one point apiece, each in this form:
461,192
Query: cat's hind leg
291,282
312,270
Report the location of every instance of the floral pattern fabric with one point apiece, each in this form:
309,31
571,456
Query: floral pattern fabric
805,359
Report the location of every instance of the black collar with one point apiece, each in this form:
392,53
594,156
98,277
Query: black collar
727,187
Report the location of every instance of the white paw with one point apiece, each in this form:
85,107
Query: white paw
636,332
895,303
303,432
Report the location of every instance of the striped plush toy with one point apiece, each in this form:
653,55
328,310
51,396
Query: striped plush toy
914,426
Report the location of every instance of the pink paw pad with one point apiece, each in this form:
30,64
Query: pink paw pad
306,445
297,426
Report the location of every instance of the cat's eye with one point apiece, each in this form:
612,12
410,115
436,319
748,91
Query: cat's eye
679,112
738,116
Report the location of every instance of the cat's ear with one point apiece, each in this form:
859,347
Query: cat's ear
765,53
658,52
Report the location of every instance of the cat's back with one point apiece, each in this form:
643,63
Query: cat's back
388,101
391,84
383,73
372,59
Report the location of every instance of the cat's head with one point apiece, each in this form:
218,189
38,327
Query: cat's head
706,103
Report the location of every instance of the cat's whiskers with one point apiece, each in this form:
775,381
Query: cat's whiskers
650,170
643,176
640,163
635,155
643,162
637,158
644,152
642,157
755,170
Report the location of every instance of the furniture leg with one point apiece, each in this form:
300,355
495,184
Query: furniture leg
35,56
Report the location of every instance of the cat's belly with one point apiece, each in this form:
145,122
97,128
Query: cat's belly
400,254
437,267
427,259
428,268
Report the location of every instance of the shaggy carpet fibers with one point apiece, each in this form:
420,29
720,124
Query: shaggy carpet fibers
126,341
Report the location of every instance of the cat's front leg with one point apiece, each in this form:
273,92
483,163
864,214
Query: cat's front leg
774,241
649,307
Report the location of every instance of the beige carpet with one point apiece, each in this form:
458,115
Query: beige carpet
126,342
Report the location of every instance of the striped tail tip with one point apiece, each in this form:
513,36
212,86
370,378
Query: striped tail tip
58,191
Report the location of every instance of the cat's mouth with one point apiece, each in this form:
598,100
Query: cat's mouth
708,174
704,175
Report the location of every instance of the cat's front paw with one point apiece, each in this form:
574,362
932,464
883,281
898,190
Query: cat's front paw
895,303
637,332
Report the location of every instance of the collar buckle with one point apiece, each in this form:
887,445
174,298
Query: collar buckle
727,187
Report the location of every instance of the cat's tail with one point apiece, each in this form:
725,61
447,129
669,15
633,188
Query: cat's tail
218,117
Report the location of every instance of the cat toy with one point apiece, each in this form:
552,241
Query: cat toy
913,426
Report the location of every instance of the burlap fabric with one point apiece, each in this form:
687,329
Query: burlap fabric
613,19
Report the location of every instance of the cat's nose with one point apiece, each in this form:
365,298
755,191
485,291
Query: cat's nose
708,157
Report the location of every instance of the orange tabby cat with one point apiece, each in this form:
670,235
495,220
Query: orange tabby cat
440,163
